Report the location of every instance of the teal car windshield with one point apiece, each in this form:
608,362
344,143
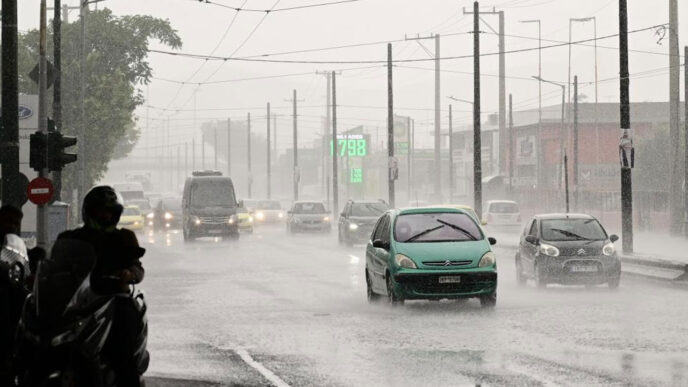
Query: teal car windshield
436,227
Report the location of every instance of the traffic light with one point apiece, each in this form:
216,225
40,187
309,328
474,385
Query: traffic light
57,158
38,150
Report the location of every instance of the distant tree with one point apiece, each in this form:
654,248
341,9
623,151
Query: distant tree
116,65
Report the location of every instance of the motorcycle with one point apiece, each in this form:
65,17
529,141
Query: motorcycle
65,325
14,260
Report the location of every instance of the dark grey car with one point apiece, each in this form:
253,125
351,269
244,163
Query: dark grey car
357,220
567,249
308,216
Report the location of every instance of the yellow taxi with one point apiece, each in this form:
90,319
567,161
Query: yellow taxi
131,219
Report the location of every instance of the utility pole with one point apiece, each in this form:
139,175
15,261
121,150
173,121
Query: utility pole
390,127
186,159
408,158
41,214
203,150
297,175
502,78
248,154
437,174
215,146
539,142
57,87
625,114
575,142
326,131
335,177
511,147
229,147
267,151
179,166
451,157
83,145
9,131
193,154
566,181
685,134
674,119
477,156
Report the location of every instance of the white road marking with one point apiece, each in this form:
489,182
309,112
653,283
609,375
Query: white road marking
524,371
354,259
269,375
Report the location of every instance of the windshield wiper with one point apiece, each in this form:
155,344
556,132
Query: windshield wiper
459,229
570,234
420,234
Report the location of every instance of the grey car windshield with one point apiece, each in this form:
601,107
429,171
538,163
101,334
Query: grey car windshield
269,205
436,227
309,208
212,194
368,209
572,230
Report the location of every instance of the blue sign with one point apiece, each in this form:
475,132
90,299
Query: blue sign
25,112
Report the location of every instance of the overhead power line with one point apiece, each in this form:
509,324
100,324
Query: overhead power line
266,11
468,56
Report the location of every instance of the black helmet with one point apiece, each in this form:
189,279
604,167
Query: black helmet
101,208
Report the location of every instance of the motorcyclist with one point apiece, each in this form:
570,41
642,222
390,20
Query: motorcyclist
11,298
117,265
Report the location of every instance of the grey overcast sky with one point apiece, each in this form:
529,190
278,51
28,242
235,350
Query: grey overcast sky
362,92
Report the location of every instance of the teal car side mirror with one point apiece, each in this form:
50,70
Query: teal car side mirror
492,241
379,244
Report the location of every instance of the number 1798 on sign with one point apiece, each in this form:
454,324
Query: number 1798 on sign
350,147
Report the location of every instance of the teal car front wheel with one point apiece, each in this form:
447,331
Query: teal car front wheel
489,300
392,297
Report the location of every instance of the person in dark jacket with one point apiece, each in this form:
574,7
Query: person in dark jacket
11,298
117,265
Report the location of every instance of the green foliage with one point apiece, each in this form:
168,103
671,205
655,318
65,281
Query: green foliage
116,64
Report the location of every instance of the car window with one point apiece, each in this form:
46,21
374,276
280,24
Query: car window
503,208
378,230
572,230
172,204
436,227
309,208
384,235
533,229
213,193
368,209
129,211
269,205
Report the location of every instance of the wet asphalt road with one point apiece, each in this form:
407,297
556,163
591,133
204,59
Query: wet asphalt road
273,309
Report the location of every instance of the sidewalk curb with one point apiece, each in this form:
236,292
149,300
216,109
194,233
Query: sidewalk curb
158,381
644,266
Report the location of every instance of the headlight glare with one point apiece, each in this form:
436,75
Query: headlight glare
403,261
609,249
196,220
353,226
326,219
150,216
549,250
488,259
260,215
168,216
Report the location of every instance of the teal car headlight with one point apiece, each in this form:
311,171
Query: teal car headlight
403,261
488,259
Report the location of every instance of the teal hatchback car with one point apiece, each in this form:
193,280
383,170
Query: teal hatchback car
430,254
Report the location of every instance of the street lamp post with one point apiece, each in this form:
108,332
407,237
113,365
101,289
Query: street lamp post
539,146
561,129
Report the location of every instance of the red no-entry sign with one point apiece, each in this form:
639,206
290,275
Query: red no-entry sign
40,190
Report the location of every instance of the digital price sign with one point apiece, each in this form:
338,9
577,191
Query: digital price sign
351,145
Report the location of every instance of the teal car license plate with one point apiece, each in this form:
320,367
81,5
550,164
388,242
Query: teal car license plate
450,279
